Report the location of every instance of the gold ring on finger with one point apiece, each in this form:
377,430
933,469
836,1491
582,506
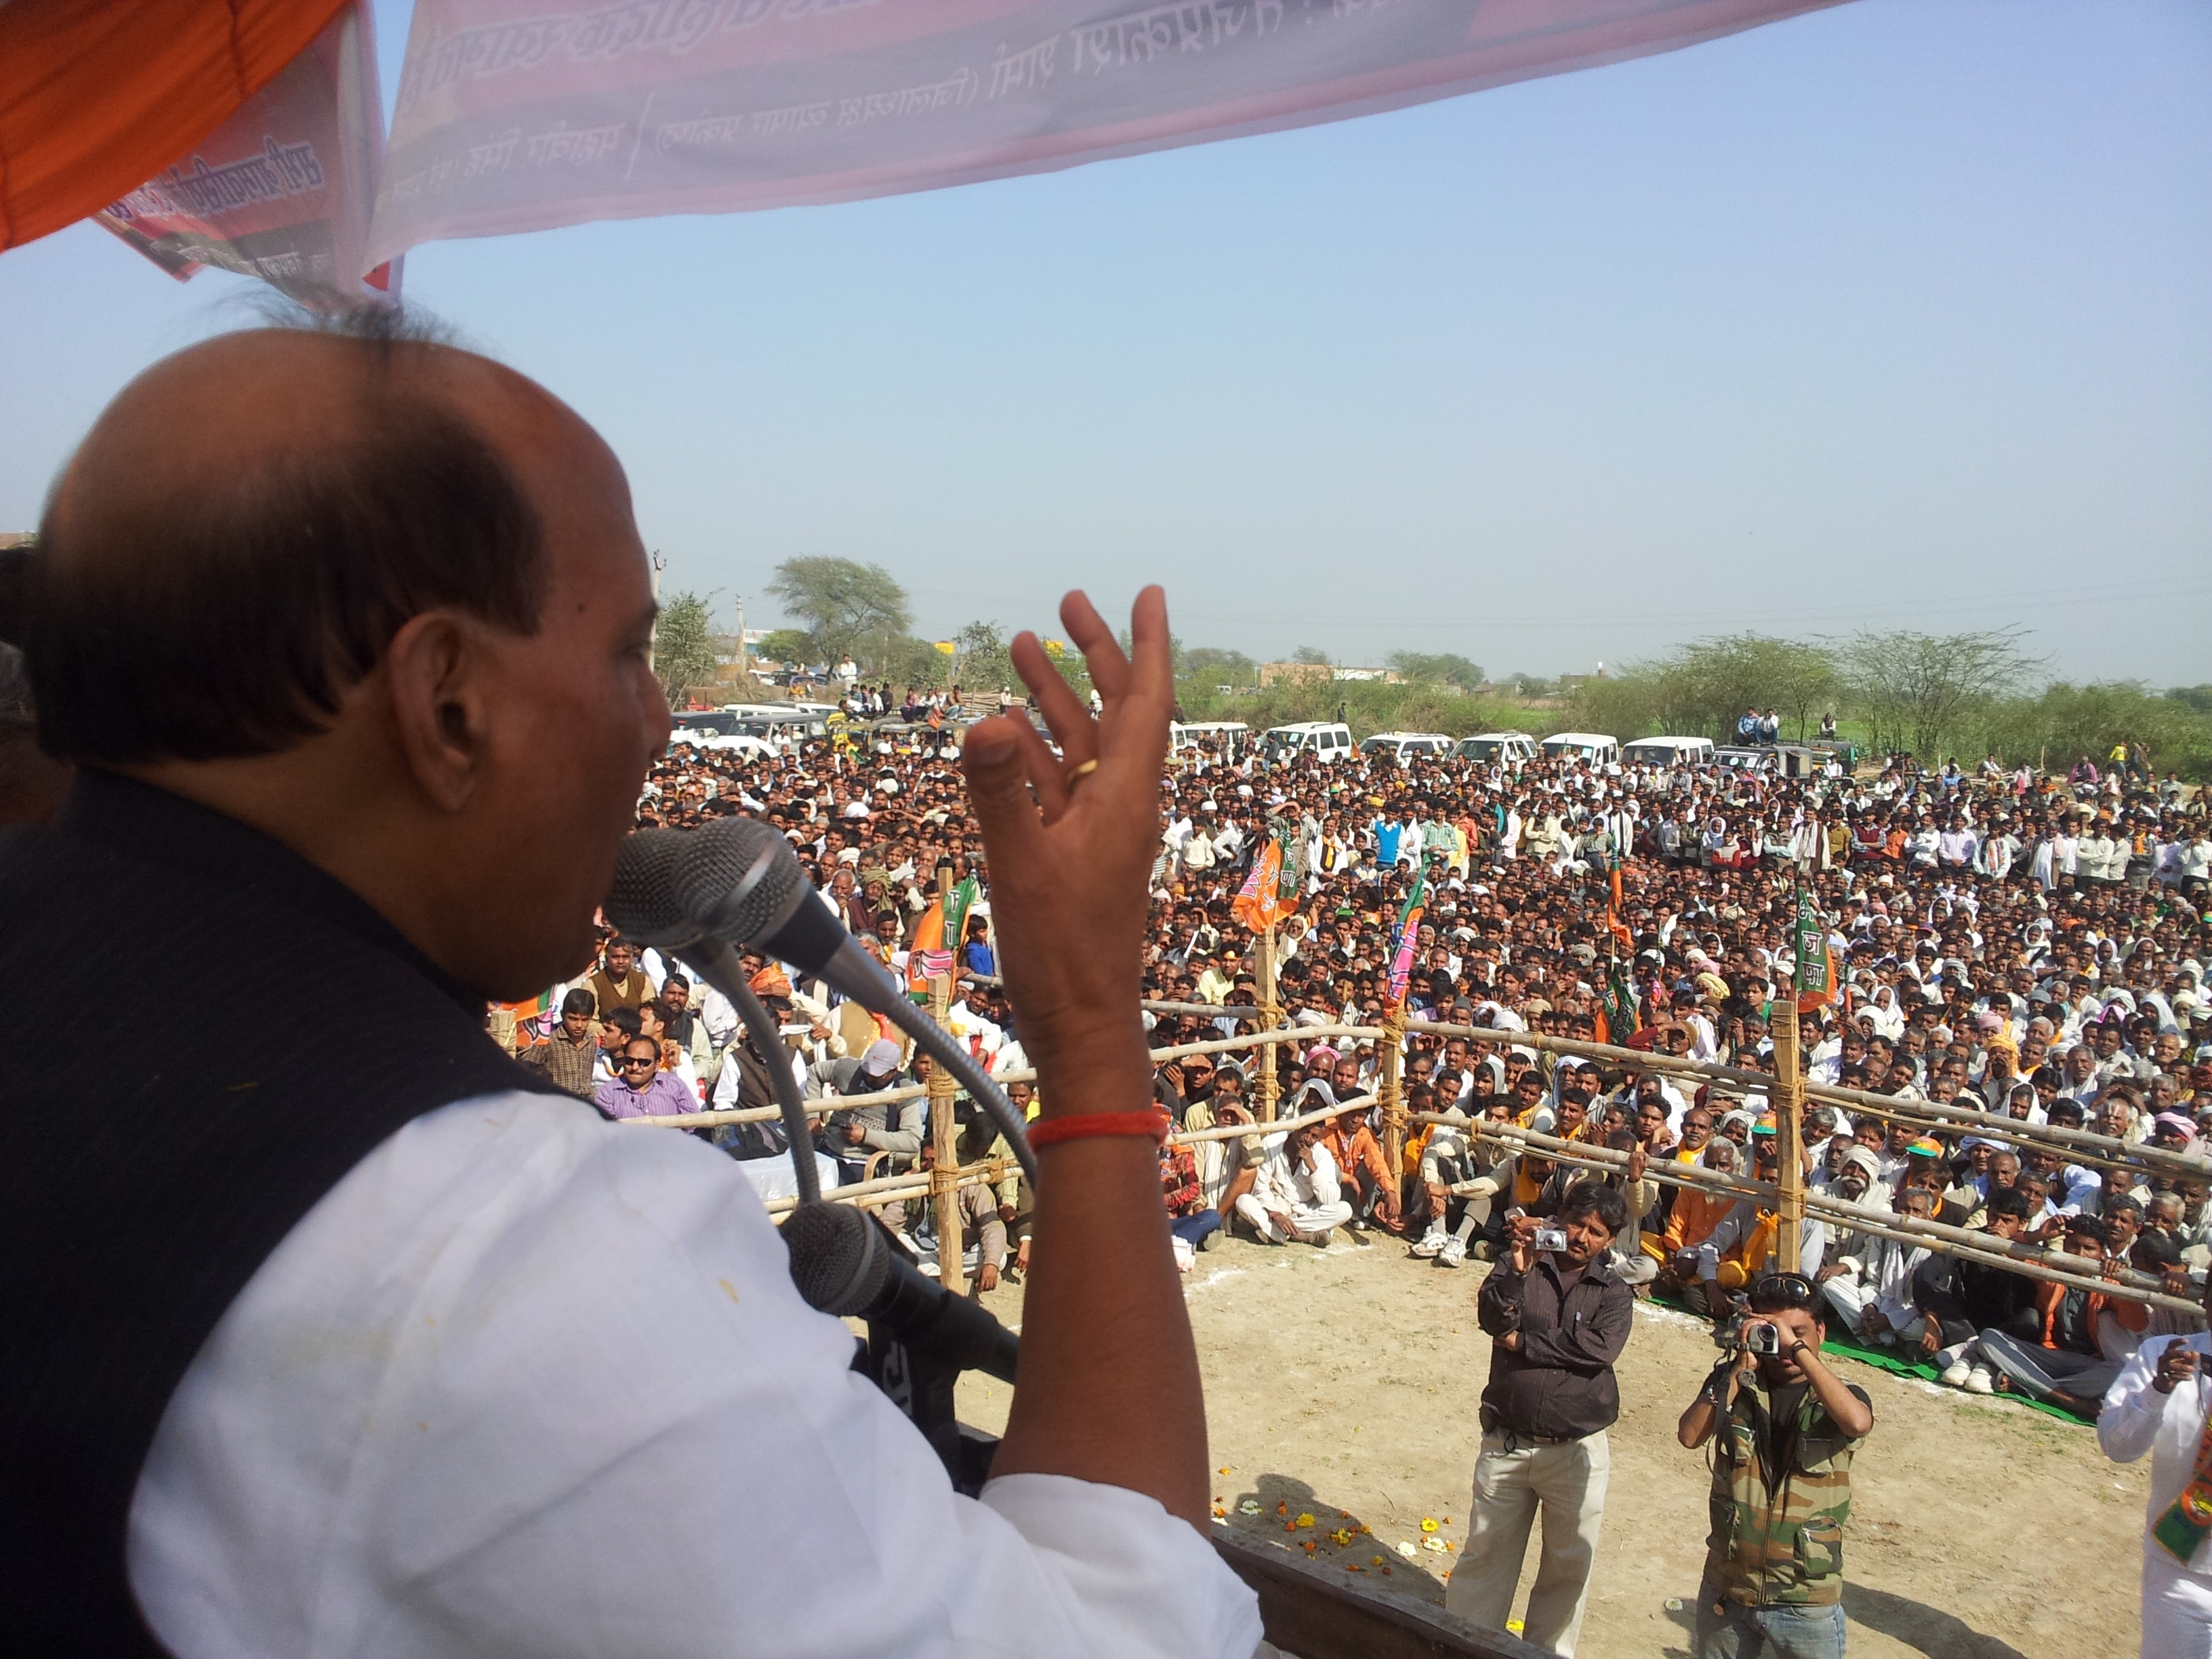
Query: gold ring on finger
1076,773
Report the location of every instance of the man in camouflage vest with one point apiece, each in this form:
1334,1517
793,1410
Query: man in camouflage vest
1783,1427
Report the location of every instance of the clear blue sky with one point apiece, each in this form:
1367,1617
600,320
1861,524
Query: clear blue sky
1898,315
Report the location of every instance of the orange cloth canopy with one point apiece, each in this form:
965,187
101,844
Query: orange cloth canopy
97,96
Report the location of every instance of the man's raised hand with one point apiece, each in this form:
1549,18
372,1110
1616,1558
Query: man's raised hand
1071,838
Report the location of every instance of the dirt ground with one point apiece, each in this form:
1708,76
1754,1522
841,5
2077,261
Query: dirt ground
1345,1381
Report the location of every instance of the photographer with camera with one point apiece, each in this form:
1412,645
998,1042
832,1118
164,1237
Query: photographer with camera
1558,1317
1784,1428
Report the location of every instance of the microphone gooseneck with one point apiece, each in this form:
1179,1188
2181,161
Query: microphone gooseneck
738,880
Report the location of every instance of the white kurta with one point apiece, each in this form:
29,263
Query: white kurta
526,1381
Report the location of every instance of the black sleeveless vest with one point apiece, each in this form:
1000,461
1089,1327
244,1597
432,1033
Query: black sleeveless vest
205,1033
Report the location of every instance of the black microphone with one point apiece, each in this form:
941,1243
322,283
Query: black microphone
737,880
845,1264
644,905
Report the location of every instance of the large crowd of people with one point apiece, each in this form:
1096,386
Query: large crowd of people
2026,943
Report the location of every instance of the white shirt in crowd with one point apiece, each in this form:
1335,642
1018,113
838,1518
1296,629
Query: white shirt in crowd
528,1381
2137,1418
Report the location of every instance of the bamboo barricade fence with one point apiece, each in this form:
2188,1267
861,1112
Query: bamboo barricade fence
2079,1144
830,1105
2082,1146
988,1172
1986,1248
1959,1241
1989,1126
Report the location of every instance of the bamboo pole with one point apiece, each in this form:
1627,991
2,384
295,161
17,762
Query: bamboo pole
1788,1130
944,1132
886,1189
1391,1091
1271,1011
1281,1126
826,1105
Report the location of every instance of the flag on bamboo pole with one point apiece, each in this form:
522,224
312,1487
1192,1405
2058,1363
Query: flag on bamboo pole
1614,924
936,947
1260,904
1816,958
1618,1015
1405,938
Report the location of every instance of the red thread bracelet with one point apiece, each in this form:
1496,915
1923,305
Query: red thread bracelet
1083,1125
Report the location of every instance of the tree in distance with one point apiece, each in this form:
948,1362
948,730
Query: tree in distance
1310,655
848,607
1917,689
684,654
982,662
789,645
1443,668
1216,666
1707,686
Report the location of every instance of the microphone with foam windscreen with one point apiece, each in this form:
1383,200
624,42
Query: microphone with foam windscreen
645,907
844,1263
738,880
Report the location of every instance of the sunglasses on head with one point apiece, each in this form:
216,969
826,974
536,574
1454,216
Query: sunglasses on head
1779,1291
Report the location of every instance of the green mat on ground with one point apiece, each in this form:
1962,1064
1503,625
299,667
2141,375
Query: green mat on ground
1889,1359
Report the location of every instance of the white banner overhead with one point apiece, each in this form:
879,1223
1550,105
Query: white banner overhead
519,115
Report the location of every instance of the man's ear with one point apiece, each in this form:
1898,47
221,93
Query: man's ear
434,670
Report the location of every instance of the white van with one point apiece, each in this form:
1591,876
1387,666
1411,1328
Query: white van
1669,751
1329,740
1507,748
1405,747
1592,746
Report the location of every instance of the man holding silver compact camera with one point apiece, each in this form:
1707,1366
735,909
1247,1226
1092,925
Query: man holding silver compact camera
1784,1428
1558,1317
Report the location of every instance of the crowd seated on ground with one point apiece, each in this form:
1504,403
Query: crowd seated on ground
2023,944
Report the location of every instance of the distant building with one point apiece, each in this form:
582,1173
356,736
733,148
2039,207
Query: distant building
1322,673
16,537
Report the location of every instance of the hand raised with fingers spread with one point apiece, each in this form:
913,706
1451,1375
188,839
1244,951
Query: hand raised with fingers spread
1071,839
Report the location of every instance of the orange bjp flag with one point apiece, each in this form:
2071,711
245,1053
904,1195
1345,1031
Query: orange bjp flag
96,98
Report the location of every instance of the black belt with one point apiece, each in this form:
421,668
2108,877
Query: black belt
1516,1438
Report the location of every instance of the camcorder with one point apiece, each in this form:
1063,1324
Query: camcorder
1730,1335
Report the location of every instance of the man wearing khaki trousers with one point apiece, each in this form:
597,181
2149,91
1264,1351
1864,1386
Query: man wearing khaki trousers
1557,1320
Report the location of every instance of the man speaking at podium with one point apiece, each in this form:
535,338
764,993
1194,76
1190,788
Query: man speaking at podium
341,1334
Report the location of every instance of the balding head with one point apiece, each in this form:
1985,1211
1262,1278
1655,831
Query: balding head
379,597
236,540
